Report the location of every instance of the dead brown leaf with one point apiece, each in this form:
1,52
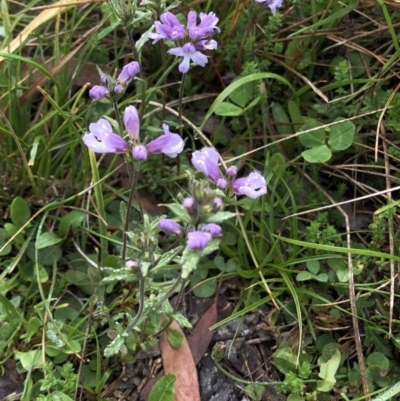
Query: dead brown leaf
180,363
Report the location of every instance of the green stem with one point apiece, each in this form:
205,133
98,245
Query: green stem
170,291
143,83
181,90
98,194
141,305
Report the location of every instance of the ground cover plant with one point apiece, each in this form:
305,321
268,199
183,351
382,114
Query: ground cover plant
159,153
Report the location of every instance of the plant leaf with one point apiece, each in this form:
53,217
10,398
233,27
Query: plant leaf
320,154
163,389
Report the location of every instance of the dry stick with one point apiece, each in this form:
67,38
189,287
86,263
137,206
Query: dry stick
352,293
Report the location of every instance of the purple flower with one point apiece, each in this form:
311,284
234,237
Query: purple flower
207,44
169,143
206,27
206,161
131,121
272,4
198,240
118,89
168,28
170,226
101,138
188,203
139,152
98,92
231,172
128,72
213,229
221,183
188,52
252,186
104,78
218,203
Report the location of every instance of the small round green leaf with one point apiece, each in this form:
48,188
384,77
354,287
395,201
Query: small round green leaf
341,135
314,138
20,212
320,154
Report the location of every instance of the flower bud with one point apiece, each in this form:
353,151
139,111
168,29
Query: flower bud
128,72
231,172
131,121
104,79
98,92
118,89
198,240
214,229
139,152
189,204
218,203
221,183
170,226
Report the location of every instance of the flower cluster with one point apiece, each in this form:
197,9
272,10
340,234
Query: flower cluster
272,4
206,161
193,38
101,139
195,240
114,87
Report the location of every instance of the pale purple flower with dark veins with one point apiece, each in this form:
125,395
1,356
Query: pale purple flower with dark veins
198,240
168,28
207,44
188,52
252,186
98,92
139,152
131,122
169,143
208,22
128,72
272,4
101,138
170,226
214,229
206,161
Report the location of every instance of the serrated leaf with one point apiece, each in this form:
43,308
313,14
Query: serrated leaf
47,239
220,217
320,154
314,138
164,389
168,256
226,109
341,135
20,212
179,211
